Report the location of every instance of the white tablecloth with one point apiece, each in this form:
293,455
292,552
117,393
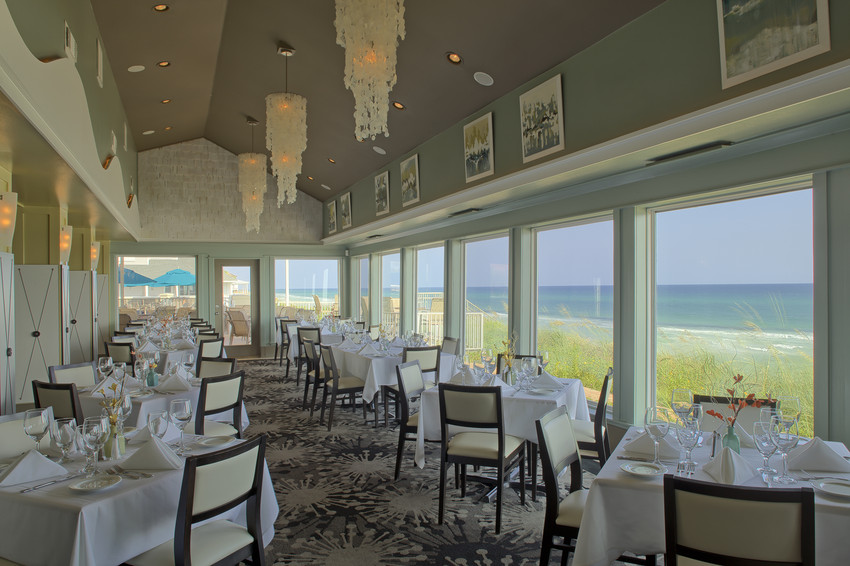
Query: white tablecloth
56,526
328,338
520,409
627,513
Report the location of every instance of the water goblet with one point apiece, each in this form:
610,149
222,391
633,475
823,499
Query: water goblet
765,446
697,412
104,366
81,445
687,433
64,431
140,370
544,358
784,435
788,406
118,370
189,362
657,424
95,434
36,424
180,411
681,401
158,423
125,409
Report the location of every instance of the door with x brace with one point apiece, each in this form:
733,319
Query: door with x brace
40,324
102,314
81,311
7,335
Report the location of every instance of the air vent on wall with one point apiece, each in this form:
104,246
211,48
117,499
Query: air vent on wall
689,152
373,236
464,211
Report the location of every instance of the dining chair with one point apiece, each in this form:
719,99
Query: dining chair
13,440
480,408
312,375
210,332
592,436
285,342
216,367
450,345
238,324
120,352
360,325
219,395
429,362
63,397
123,320
313,333
501,360
207,335
712,523
410,385
195,322
128,338
83,374
747,416
209,349
213,484
375,331
336,384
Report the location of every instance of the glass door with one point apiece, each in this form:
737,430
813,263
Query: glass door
237,306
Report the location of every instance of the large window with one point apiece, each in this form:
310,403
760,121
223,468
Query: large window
390,292
486,306
155,286
575,301
362,309
430,302
306,285
733,295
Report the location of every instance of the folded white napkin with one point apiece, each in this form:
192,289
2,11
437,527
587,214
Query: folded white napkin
368,350
347,344
182,344
497,381
138,436
729,467
30,466
105,387
147,348
745,436
548,380
817,455
175,382
463,377
667,447
154,454
397,342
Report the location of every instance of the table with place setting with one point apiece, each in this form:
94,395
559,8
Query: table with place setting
328,337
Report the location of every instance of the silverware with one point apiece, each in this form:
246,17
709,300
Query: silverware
810,477
137,472
128,475
52,482
635,458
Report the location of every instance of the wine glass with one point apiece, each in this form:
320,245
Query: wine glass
785,435
765,446
140,369
788,406
681,401
125,409
189,362
180,411
104,366
36,424
544,358
63,431
79,441
687,433
95,433
158,423
118,370
697,413
657,424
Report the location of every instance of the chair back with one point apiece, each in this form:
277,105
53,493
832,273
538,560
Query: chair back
600,417
83,374
450,345
312,333
63,397
120,352
746,416
463,405
428,358
704,522
123,320
220,394
501,361
312,357
375,331
410,384
13,440
329,363
195,322
205,337
215,483
128,338
211,348
216,367
360,325
284,330
558,450
238,322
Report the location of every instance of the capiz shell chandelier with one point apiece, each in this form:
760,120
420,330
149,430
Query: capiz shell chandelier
252,185
369,31
286,138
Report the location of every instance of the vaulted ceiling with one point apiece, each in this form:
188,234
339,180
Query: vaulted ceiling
223,62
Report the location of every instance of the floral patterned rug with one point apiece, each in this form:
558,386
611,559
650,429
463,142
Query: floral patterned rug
340,506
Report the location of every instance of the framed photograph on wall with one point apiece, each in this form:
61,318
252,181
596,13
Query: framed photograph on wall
478,148
541,117
410,180
757,38
345,210
382,193
332,217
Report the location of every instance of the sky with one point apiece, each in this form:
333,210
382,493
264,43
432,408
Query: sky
307,274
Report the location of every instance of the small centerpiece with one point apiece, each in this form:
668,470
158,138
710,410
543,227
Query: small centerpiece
730,438
508,355
113,405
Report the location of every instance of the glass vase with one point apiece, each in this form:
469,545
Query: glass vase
731,439
115,445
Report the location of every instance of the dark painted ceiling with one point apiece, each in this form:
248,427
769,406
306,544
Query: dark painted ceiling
224,62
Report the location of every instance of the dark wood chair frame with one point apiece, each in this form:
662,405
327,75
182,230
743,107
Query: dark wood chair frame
285,342
500,357
309,333
600,419
236,407
390,394
332,389
71,388
51,371
200,356
121,345
313,374
450,338
404,407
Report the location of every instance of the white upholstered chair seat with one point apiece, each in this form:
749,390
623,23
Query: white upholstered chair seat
215,428
571,509
482,445
413,420
428,385
350,382
210,543
583,431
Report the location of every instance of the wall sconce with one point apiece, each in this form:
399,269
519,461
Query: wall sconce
8,215
65,234
95,255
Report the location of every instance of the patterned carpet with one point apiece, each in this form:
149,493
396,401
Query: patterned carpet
339,505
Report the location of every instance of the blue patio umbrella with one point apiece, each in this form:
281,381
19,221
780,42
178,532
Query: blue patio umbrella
173,278
133,279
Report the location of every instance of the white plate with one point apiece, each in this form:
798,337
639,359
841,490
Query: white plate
140,395
211,441
836,487
644,469
543,391
96,483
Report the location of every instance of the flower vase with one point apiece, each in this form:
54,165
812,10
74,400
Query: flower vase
152,379
731,439
115,444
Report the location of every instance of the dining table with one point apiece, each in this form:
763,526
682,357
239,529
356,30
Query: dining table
520,409
61,526
328,338
625,511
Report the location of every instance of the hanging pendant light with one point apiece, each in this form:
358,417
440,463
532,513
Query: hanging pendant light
286,135
369,31
252,183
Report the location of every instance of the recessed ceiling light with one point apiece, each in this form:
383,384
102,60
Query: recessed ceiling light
483,78
379,150
168,128
327,188
331,160
160,7
136,68
165,100
398,105
454,58
163,64
310,178
148,132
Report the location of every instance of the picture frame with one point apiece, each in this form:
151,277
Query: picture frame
345,210
756,42
478,156
410,180
382,193
332,217
541,114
